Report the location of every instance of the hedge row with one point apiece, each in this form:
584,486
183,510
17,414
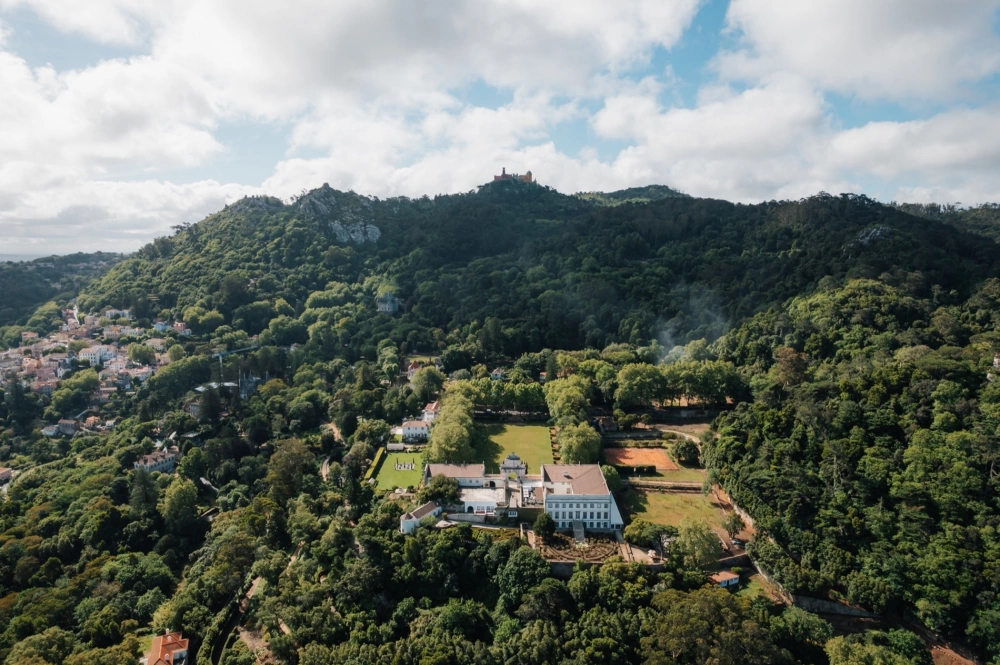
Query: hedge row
376,464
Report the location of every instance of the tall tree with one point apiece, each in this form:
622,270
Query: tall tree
287,467
578,444
143,494
180,506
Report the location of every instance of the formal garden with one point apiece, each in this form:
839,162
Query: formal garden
399,470
597,548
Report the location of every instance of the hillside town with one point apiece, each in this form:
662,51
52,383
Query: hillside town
123,354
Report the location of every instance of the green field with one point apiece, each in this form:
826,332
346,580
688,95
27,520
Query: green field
530,442
388,477
670,508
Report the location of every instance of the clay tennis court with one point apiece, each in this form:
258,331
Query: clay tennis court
657,457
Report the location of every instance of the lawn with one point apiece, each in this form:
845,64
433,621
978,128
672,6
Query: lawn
388,477
530,442
671,508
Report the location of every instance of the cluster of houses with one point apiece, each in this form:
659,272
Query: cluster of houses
574,495
40,363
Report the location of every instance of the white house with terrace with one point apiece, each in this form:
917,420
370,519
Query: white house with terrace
416,430
574,495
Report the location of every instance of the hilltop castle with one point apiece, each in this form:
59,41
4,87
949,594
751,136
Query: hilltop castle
507,176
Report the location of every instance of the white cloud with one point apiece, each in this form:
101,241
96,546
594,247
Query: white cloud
886,49
755,144
112,216
965,141
374,93
277,59
140,111
120,22
954,155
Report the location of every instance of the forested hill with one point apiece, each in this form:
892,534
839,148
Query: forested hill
552,270
25,285
632,195
982,219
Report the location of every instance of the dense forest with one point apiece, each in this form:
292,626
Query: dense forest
547,270
27,285
982,219
849,344
869,454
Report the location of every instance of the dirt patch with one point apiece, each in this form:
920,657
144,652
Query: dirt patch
657,457
945,656
257,645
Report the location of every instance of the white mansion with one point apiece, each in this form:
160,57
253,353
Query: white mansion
572,494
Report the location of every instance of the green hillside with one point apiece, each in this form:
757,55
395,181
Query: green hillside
553,271
24,285
848,345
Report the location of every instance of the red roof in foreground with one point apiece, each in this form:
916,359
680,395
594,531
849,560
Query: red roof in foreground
165,647
723,576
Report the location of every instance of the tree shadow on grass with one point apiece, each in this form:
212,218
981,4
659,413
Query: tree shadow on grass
486,450
633,502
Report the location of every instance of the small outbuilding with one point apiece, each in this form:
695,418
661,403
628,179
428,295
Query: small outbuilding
411,520
725,579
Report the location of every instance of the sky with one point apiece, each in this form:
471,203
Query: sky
122,118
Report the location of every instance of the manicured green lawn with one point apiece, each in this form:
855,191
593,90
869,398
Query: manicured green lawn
530,442
388,477
670,508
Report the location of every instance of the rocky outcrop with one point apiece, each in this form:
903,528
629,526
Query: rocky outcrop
349,216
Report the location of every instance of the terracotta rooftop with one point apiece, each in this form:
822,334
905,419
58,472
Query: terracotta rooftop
586,479
165,649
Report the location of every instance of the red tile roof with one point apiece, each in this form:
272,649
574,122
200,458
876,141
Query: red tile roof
165,648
